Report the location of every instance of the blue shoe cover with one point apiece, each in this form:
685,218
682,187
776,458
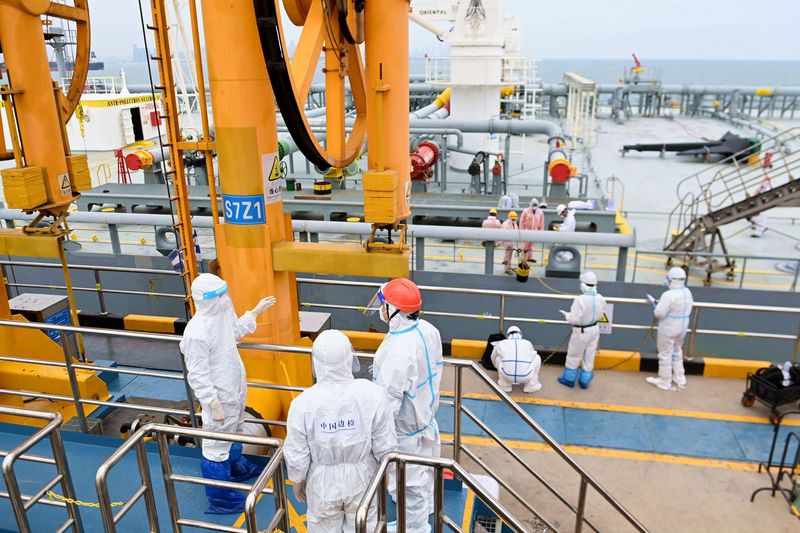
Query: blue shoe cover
585,378
568,377
241,468
221,501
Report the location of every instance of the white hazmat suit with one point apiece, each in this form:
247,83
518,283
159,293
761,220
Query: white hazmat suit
215,372
214,367
517,362
337,433
673,311
587,309
409,364
569,223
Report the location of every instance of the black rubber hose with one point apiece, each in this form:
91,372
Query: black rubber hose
278,69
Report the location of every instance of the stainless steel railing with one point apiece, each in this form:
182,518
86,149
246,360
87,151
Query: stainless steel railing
586,480
22,503
504,296
96,270
8,269
273,472
440,519
741,268
457,403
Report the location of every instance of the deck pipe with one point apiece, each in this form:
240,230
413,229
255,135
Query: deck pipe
559,89
357,228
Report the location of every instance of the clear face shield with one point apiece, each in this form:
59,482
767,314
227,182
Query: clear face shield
217,299
376,304
216,293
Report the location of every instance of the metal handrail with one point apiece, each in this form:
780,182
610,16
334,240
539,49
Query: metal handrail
91,267
273,471
79,402
98,286
732,180
586,479
549,296
459,364
378,485
21,503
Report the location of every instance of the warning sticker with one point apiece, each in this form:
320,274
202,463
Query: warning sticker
63,181
274,183
607,320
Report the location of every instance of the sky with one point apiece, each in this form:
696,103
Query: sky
568,29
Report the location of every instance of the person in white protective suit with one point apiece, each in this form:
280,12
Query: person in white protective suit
586,310
409,364
569,218
673,311
337,432
217,377
758,223
511,245
517,362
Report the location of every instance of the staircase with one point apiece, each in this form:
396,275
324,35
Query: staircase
733,189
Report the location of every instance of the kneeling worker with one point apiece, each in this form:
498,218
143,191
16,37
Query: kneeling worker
517,362
336,434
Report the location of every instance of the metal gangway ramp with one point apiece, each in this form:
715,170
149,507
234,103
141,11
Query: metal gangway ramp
22,503
736,188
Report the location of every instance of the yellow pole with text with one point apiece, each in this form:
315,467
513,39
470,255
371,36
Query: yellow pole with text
247,145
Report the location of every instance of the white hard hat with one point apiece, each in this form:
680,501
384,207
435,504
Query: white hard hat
589,278
512,330
534,202
676,273
561,208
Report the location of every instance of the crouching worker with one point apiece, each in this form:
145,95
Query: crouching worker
337,432
517,362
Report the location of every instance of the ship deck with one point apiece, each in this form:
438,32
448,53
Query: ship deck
647,447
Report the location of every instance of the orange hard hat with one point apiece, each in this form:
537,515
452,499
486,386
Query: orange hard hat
403,294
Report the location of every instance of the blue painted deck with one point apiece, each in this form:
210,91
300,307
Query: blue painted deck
85,453
673,435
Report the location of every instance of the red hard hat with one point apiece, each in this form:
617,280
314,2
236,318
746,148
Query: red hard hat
403,294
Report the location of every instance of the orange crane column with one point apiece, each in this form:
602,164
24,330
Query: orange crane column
29,71
386,31
246,142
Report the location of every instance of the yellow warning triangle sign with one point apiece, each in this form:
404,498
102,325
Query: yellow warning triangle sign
64,181
275,173
603,319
